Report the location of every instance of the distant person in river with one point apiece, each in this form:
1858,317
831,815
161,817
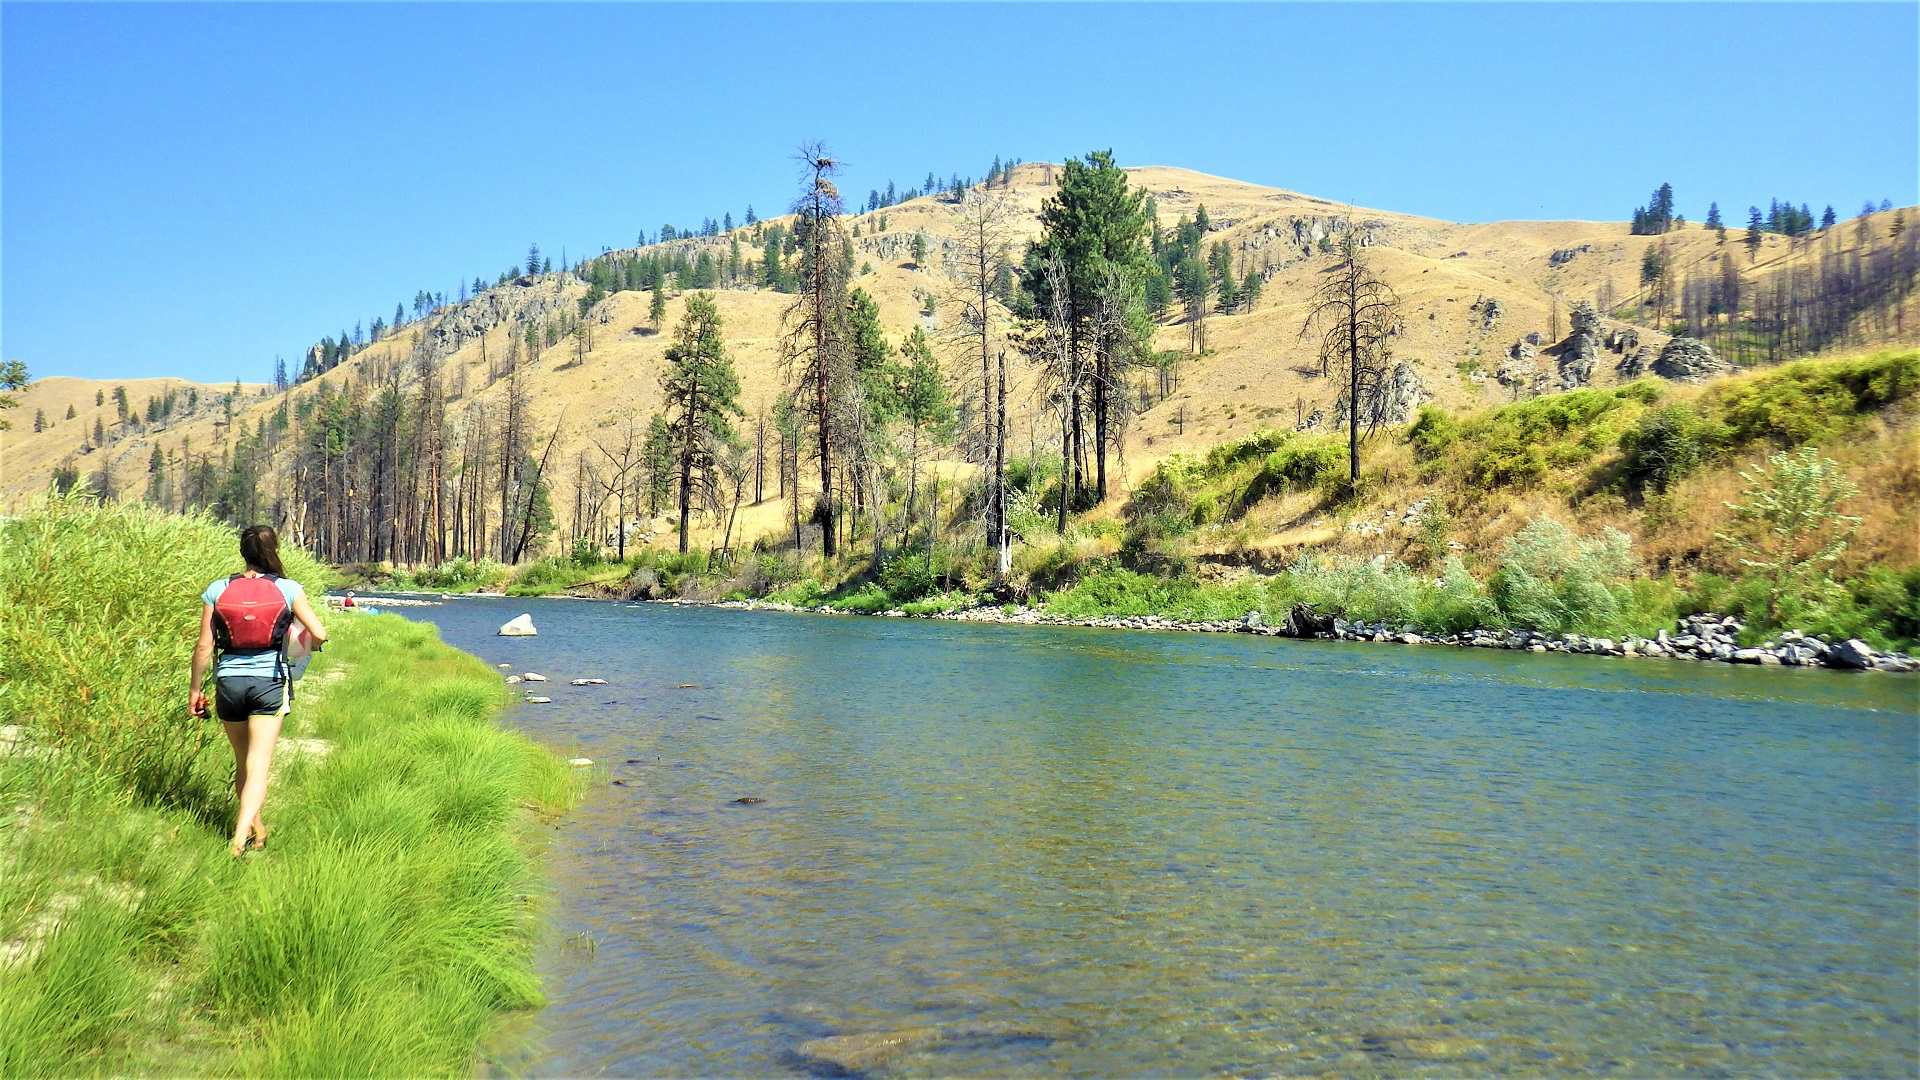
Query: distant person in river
249,618
348,602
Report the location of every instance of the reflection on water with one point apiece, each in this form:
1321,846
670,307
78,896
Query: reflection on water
1012,850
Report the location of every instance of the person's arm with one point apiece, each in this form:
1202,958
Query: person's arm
304,612
202,657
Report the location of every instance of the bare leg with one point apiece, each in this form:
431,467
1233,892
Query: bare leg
237,735
263,732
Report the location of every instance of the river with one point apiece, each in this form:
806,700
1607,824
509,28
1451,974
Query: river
990,850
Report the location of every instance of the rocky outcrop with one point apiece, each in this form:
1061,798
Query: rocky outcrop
1490,312
1624,340
1582,347
520,301
1518,371
1395,401
1566,255
1638,363
1688,359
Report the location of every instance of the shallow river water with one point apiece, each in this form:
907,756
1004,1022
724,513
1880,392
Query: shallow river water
994,850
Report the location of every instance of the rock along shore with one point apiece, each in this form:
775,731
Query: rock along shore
1706,637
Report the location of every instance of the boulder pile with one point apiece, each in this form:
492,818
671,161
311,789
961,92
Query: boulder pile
1688,359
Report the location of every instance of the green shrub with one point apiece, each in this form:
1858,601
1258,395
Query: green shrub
1518,443
1305,463
907,575
1112,591
1224,456
585,553
1556,582
868,598
807,592
1380,589
459,574
1029,475
1433,433
1666,444
543,575
1456,601
1813,400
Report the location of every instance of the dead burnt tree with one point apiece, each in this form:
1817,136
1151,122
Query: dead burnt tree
1355,315
814,350
981,258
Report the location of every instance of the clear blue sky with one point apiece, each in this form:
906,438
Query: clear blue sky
188,189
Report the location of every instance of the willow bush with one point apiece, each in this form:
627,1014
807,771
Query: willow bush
99,612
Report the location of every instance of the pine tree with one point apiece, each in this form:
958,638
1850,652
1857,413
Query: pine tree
700,391
919,249
923,401
120,403
71,413
657,307
1095,227
39,420
1755,226
1220,266
1827,219
99,398
533,259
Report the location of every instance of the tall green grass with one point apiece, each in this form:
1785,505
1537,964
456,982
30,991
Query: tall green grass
387,922
101,610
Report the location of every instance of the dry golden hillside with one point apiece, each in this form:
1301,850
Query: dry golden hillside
1257,370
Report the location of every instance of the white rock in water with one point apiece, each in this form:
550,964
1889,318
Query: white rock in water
520,627
511,679
589,682
503,667
532,700
580,761
534,676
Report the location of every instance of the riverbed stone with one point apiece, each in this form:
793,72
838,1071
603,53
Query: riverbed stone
519,626
1853,654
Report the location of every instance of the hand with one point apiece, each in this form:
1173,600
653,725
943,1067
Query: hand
197,705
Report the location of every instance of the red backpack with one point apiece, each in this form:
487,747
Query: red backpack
252,615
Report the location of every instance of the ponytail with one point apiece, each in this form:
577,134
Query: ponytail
260,546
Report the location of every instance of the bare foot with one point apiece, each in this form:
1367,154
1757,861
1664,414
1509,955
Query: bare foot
257,835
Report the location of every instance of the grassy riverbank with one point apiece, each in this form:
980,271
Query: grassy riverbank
390,917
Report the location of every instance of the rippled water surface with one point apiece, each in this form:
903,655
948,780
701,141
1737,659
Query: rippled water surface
992,850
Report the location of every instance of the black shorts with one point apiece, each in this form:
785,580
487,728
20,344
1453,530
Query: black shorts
237,697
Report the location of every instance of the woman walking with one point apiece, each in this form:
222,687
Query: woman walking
249,617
